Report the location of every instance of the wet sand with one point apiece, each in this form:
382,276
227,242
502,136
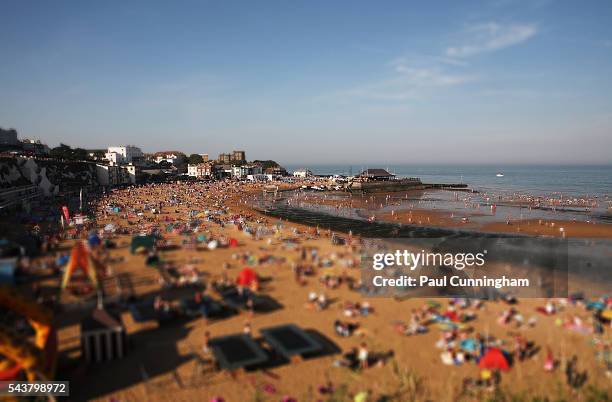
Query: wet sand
467,218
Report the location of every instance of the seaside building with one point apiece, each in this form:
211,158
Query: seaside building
204,157
112,175
200,170
35,147
14,198
233,157
224,158
172,157
241,172
124,154
8,137
134,173
9,142
276,171
238,156
302,173
376,174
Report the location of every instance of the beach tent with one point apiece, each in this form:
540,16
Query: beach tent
8,268
141,242
80,258
494,359
247,277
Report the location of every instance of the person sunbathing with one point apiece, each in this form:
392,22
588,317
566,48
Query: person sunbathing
345,329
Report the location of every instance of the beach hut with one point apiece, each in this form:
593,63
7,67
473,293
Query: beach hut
103,337
494,359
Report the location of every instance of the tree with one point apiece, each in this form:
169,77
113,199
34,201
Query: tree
65,152
266,164
194,159
165,165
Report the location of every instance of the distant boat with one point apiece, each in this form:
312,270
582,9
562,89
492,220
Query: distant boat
499,174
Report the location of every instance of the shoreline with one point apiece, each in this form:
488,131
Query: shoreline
467,218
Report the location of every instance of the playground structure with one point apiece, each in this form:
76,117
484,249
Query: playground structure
36,360
80,258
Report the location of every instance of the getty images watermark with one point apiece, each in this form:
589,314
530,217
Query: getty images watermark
466,266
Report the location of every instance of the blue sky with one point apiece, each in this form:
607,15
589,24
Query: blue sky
390,82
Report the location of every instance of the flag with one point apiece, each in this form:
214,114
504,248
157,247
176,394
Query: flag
66,213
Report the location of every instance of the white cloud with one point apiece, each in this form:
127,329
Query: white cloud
492,36
408,83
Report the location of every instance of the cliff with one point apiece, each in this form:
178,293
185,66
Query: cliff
51,176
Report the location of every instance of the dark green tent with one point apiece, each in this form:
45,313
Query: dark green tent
148,242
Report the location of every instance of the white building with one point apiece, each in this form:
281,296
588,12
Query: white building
112,175
133,172
200,170
241,172
168,156
302,173
124,154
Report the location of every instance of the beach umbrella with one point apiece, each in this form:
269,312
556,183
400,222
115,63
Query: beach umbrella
233,242
213,244
607,314
494,359
110,228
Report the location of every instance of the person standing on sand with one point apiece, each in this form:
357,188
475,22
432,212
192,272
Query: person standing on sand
206,347
362,356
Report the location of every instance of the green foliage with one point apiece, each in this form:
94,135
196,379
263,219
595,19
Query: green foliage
65,152
266,164
194,159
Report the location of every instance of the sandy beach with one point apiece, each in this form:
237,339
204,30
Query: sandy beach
162,359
